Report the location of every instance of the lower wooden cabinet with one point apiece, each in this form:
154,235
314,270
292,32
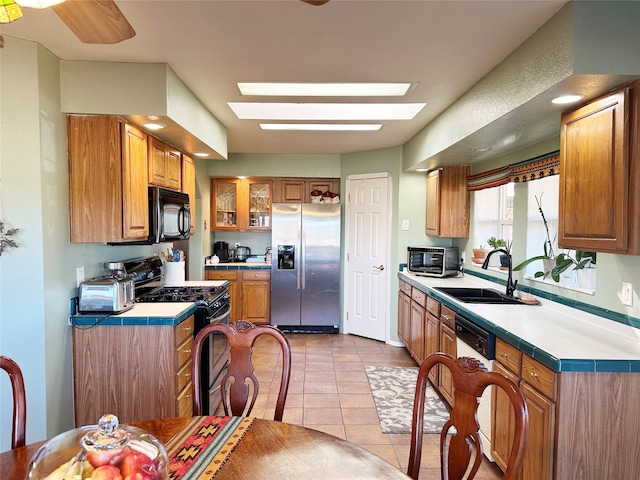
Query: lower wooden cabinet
404,312
134,372
447,345
538,384
250,292
256,296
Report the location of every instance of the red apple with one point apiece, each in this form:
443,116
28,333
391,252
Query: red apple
98,458
106,472
141,475
136,461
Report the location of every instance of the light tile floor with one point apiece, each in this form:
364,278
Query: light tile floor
329,391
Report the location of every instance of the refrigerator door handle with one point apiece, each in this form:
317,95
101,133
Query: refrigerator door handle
302,259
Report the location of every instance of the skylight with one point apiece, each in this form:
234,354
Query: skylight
325,111
324,89
326,127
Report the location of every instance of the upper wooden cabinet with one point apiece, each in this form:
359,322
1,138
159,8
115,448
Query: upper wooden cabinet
108,200
600,174
165,165
298,190
241,204
447,211
189,186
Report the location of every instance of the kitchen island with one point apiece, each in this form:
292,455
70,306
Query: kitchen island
584,420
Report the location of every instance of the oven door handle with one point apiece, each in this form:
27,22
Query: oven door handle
218,318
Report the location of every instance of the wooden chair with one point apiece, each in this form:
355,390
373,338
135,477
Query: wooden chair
239,379
470,378
19,401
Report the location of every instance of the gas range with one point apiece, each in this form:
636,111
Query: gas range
203,295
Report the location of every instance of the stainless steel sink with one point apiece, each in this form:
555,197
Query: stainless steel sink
479,295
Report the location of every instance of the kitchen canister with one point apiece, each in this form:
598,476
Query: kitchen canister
174,274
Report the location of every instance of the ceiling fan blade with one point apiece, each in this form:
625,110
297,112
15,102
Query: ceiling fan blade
95,21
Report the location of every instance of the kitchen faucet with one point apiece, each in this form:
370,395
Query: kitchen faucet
511,284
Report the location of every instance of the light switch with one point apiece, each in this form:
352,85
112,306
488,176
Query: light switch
405,224
627,294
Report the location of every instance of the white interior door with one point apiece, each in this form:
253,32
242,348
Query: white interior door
367,260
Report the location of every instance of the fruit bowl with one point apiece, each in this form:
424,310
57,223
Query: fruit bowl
107,451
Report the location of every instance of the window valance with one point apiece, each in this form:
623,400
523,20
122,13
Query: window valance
532,169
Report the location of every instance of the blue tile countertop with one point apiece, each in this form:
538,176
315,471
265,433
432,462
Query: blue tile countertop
238,266
559,336
141,314
166,313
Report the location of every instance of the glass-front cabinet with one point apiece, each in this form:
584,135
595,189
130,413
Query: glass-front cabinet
241,204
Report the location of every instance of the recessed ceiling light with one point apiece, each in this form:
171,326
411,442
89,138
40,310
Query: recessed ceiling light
155,126
324,89
326,127
482,149
201,154
566,99
422,169
325,111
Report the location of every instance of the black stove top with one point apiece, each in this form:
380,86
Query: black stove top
200,294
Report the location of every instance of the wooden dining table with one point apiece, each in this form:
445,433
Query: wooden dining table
266,450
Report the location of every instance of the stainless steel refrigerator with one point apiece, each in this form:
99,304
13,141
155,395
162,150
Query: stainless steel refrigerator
305,266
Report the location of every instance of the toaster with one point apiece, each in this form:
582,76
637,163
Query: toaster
106,295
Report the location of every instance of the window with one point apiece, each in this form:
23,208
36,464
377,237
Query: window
547,191
493,214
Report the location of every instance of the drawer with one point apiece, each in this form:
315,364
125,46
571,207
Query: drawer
184,354
184,330
419,297
256,275
447,316
508,356
231,275
540,377
184,406
405,287
183,376
433,306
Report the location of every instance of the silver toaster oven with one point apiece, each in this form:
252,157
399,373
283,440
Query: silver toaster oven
433,261
106,295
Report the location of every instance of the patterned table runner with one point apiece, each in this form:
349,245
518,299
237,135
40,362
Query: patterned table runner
202,446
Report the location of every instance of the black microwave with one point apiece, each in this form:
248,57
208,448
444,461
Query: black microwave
433,261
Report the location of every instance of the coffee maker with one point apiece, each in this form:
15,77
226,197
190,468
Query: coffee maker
221,250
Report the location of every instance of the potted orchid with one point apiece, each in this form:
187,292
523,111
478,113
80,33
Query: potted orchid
548,257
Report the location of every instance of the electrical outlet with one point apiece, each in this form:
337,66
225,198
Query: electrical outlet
463,257
405,224
79,276
627,294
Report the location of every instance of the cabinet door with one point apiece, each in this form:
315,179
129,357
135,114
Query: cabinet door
134,183
431,343
432,221
292,190
538,461
189,187
256,294
594,161
224,204
447,205
174,169
447,345
404,317
259,202
503,424
416,339
157,162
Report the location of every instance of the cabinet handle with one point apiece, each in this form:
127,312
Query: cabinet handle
504,355
187,329
187,375
447,317
534,375
187,351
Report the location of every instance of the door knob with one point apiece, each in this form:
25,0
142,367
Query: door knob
381,267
